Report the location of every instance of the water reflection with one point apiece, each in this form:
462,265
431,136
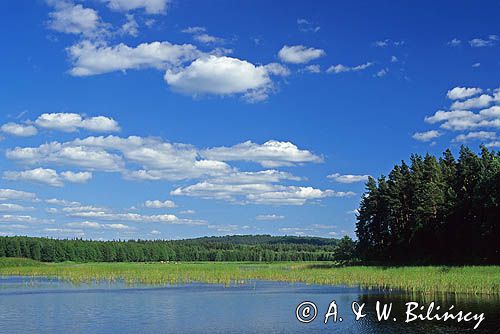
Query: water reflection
42,305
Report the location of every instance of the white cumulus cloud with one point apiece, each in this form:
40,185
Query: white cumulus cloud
130,27
270,154
98,226
55,153
348,178
11,207
157,204
222,76
299,54
19,130
90,58
70,122
135,217
458,93
47,176
149,6
463,117
73,18
427,135
12,194
254,189
477,135
481,101
76,177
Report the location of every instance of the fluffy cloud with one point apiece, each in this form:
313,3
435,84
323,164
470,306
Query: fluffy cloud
98,226
61,202
342,68
427,135
130,27
277,69
10,207
461,118
24,219
269,217
68,154
221,76
39,175
135,217
442,115
257,189
347,178
11,194
479,135
47,176
264,176
270,154
19,130
91,59
458,93
76,177
194,170
216,190
473,103
83,208
160,160
293,195
299,54
73,18
157,204
149,6
70,122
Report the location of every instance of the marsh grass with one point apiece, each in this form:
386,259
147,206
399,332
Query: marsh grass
429,279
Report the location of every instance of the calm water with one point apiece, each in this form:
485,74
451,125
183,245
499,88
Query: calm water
40,305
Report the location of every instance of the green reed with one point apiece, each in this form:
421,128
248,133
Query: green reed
428,279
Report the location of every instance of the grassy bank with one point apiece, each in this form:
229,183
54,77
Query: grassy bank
471,280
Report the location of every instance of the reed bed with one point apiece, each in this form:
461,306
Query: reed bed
429,279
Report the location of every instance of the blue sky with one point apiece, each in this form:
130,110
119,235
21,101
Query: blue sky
175,119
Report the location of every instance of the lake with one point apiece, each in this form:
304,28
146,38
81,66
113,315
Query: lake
43,305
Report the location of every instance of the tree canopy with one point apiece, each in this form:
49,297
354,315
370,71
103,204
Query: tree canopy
261,248
433,210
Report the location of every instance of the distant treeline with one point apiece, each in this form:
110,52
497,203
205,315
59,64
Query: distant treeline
231,248
433,210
